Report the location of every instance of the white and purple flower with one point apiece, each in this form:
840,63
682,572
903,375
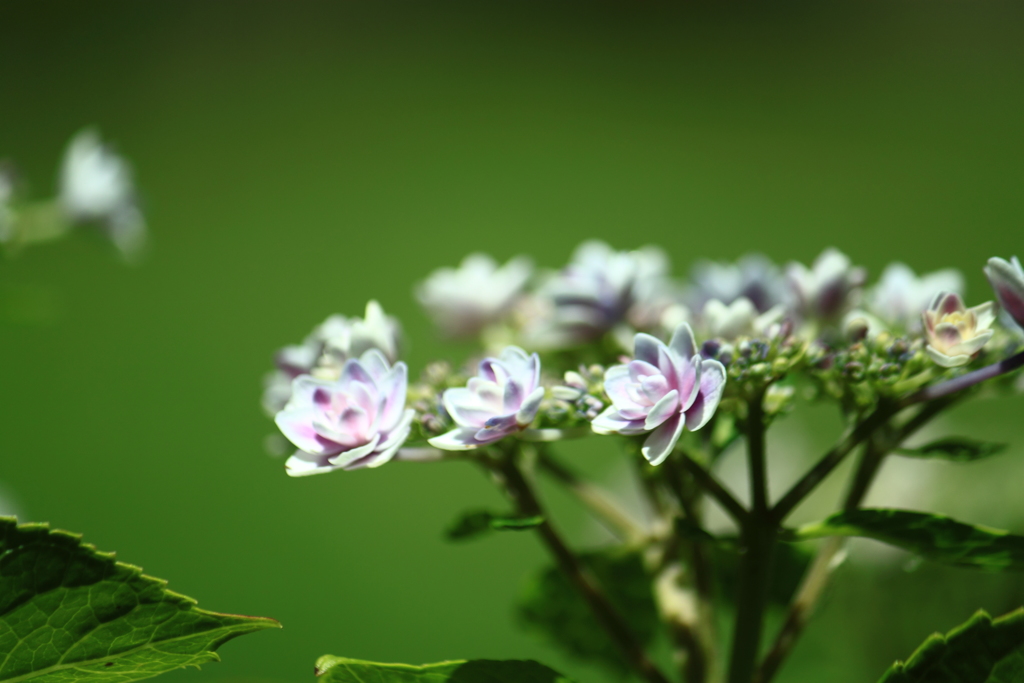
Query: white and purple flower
1007,279
325,350
956,333
901,295
663,390
501,400
357,420
596,292
829,288
464,300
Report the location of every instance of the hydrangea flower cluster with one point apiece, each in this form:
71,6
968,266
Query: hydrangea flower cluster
733,331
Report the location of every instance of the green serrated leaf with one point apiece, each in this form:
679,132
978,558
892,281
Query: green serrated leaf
956,448
70,613
551,606
983,650
934,537
333,669
478,522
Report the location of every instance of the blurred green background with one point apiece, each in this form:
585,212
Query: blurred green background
297,159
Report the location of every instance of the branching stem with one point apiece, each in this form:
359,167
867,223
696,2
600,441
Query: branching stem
527,504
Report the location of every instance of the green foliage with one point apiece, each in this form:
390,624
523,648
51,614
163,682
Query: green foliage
983,650
70,613
934,537
550,605
956,448
788,567
478,522
333,669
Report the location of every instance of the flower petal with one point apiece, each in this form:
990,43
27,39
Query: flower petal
612,422
944,360
529,408
456,440
683,341
662,410
1008,282
646,347
303,464
347,457
662,440
712,384
297,426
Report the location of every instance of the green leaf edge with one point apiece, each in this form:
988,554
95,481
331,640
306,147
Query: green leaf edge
930,652
325,663
253,623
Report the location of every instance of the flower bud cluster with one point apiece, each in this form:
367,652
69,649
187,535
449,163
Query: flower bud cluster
874,366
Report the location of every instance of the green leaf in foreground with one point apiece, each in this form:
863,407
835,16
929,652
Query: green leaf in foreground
551,605
955,448
934,537
333,669
479,522
983,650
70,613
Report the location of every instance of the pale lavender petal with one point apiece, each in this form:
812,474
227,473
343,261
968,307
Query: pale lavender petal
529,408
399,433
297,426
347,457
612,422
662,440
514,395
374,362
653,388
947,302
466,412
639,369
689,380
646,347
662,410
1008,282
985,314
303,464
393,389
305,387
683,342
668,368
455,440
712,385
354,372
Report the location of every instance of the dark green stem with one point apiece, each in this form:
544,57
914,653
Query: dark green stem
527,504
759,539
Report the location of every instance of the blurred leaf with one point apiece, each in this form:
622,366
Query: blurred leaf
333,669
789,564
551,606
71,613
934,537
472,524
983,650
956,448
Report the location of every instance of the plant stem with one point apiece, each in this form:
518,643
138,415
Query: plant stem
528,505
965,381
759,539
831,460
599,502
715,489
817,576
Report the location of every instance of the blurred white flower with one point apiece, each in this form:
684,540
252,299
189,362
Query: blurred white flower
96,186
596,291
739,319
827,289
900,297
464,300
753,277
324,352
956,333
